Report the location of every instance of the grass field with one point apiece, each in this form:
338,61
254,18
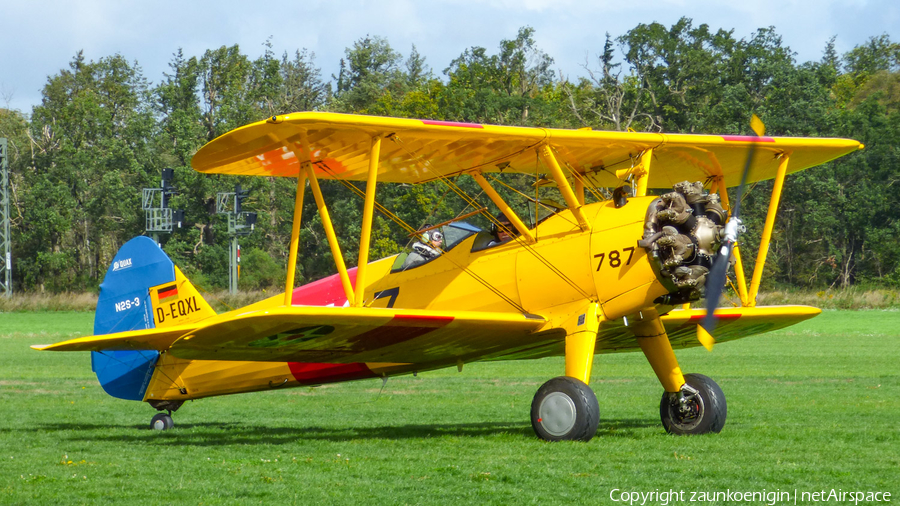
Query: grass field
812,407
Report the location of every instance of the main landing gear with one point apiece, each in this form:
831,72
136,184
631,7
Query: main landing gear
565,409
698,409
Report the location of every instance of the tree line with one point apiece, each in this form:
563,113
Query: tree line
103,131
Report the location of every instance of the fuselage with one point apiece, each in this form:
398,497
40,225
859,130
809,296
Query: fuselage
561,271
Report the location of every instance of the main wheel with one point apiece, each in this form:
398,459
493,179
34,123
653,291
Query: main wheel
161,421
565,409
704,412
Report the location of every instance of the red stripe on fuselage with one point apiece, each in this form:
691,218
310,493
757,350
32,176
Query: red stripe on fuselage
324,292
315,374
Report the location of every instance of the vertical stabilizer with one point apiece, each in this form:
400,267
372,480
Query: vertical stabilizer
141,281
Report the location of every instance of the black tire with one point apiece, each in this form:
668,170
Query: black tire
565,409
161,421
708,409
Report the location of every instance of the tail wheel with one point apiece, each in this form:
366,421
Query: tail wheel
565,409
703,409
161,421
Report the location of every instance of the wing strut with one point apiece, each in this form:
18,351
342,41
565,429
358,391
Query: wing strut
579,192
368,211
767,230
644,176
550,160
329,233
640,172
295,238
504,207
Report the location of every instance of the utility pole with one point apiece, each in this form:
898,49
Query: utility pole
5,236
240,223
159,218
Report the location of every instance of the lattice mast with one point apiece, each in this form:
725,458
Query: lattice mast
240,223
5,234
159,218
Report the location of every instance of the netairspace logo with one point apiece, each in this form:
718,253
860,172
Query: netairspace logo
667,497
122,264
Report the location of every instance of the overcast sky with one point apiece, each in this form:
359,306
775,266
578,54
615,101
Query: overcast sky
39,38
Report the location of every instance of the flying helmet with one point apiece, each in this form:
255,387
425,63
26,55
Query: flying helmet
503,220
433,235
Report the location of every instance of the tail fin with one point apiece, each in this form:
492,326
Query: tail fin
142,289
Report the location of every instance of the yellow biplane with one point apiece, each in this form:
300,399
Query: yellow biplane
614,275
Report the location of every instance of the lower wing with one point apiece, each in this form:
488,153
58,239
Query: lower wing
681,326
333,335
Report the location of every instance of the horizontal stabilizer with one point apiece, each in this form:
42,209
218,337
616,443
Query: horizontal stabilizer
146,339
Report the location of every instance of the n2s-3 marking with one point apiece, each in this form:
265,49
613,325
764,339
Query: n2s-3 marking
615,257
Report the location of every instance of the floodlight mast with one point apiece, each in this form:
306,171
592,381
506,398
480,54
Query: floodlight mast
159,218
5,235
240,223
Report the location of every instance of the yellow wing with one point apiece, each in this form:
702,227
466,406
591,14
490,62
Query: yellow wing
423,150
333,335
681,327
348,335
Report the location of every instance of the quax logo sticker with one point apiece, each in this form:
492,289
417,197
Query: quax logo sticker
121,264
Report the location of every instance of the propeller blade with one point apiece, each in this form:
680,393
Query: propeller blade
715,280
705,338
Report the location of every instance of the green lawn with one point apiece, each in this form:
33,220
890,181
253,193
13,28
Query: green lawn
812,407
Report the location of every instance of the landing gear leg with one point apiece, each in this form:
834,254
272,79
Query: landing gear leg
692,403
565,408
162,421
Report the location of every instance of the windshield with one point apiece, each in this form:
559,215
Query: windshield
424,250
457,232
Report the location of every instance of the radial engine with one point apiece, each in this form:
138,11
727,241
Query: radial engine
682,233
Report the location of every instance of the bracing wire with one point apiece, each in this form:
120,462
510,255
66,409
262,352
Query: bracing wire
546,262
410,229
494,220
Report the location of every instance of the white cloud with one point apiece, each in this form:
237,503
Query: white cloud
567,30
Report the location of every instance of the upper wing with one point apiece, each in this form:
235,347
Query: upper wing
423,150
334,335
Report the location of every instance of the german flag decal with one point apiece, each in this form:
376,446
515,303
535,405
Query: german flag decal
167,292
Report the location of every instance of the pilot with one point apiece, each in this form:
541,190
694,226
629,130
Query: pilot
427,248
430,246
502,232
